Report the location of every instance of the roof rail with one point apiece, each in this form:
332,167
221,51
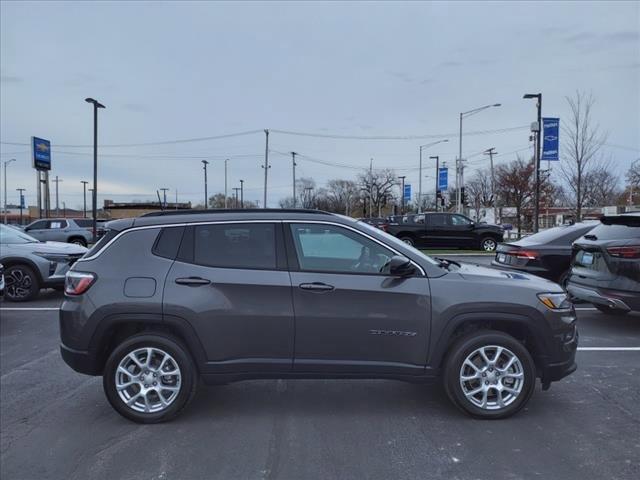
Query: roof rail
233,210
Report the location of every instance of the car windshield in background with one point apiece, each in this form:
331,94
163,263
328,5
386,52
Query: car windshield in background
557,234
12,236
397,242
84,222
614,232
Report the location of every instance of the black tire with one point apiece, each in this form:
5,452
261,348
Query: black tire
21,283
611,311
468,344
78,241
488,244
408,240
168,344
562,281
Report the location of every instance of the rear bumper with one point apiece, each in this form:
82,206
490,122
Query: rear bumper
619,300
81,361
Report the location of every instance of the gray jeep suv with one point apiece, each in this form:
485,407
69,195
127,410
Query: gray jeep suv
234,295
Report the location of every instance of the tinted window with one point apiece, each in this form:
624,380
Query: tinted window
100,244
168,242
236,245
334,249
615,232
563,235
84,223
37,225
459,220
437,220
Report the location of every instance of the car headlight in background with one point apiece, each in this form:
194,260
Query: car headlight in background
53,257
555,301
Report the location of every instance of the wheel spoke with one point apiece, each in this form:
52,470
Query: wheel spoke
499,351
169,373
121,369
514,375
508,365
469,363
483,354
149,355
135,360
133,399
474,392
466,378
124,386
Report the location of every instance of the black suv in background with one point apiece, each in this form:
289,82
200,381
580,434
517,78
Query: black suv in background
606,265
546,253
446,230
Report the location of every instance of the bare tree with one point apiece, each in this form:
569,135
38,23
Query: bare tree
633,175
377,187
601,187
478,192
515,185
581,146
342,195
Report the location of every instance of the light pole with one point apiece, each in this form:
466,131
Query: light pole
57,180
420,176
7,162
266,165
21,200
293,166
537,96
164,196
459,165
96,106
206,194
437,159
491,152
235,196
84,196
402,177
226,161
241,193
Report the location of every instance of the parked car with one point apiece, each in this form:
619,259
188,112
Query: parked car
546,253
226,296
68,230
449,230
30,265
1,281
606,265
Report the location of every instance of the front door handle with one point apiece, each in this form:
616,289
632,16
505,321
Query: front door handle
316,287
193,281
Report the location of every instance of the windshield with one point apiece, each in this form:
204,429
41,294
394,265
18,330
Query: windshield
566,233
396,242
10,235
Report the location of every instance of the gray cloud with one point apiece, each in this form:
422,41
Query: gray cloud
11,79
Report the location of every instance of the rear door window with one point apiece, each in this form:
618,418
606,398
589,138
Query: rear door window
241,245
437,220
615,232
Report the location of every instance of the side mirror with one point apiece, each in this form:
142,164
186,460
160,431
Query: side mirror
400,266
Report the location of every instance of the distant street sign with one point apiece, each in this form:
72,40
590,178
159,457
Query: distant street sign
41,153
551,140
443,178
407,192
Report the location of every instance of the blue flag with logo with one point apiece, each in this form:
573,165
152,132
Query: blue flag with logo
551,139
443,178
407,192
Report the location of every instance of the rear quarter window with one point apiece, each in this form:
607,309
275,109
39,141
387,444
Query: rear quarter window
168,242
615,232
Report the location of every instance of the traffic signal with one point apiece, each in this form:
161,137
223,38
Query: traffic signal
463,198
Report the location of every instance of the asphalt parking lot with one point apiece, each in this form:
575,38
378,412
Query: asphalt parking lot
57,424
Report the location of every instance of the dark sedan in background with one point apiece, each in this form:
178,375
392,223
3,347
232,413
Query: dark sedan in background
546,254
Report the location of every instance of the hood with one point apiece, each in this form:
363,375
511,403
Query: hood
478,274
50,247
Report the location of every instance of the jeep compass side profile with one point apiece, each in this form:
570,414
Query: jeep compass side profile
166,299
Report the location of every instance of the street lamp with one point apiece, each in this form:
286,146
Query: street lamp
84,197
241,193
538,97
420,176
459,165
96,106
7,162
206,196
402,177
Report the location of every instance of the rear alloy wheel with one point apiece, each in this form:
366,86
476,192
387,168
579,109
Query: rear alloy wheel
149,378
407,240
78,241
21,283
611,311
488,244
489,375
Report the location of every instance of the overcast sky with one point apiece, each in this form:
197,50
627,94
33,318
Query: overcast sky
169,71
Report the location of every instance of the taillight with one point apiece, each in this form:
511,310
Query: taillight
630,251
383,227
77,283
530,254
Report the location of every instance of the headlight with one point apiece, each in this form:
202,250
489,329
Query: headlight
555,301
53,257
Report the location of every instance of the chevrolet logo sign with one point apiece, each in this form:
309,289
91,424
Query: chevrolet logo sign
43,147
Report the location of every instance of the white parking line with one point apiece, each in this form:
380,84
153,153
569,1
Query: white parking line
609,349
586,309
28,309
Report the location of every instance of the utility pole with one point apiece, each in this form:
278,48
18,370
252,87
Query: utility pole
206,193
164,192
84,196
7,162
64,209
538,131
491,152
293,166
226,160
420,171
437,158
235,196
57,181
371,188
96,106
241,193
91,192
266,165
402,195
307,198
21,200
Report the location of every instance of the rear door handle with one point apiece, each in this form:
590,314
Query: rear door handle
316,287
193,281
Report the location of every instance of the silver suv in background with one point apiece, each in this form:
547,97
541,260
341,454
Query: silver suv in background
30,265
67,230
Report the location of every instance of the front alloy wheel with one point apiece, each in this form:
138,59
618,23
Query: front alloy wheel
488,244
21,283
149,378
489,374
